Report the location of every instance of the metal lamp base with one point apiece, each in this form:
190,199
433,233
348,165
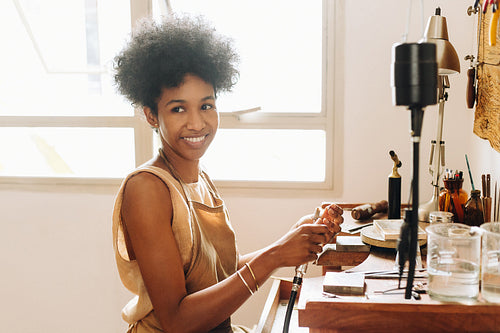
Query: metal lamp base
430,206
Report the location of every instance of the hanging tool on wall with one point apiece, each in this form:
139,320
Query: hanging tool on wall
471,94
494,22
471,82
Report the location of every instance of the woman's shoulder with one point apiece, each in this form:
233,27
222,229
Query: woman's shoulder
150,172
148,178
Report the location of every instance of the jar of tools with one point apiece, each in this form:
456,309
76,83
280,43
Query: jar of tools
453,198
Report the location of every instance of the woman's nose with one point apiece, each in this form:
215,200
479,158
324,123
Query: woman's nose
195,121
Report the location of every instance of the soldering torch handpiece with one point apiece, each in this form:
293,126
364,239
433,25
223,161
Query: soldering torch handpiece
301,270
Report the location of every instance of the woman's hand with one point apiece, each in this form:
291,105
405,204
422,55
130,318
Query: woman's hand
306,239
331,216
301,244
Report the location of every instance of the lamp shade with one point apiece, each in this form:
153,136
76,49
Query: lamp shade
437,32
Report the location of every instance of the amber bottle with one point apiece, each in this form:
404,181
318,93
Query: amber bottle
473,212
453,199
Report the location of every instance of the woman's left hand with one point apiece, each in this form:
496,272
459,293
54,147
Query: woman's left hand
331,216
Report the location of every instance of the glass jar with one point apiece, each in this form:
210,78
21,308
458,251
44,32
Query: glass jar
453,199
473,211
440,217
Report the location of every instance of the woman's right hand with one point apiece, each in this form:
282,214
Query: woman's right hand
301,245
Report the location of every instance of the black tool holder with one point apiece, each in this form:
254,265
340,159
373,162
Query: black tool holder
414,83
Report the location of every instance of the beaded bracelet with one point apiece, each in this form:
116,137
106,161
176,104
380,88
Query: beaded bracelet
246,284
253,275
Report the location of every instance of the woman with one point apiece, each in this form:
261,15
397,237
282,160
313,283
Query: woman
174,245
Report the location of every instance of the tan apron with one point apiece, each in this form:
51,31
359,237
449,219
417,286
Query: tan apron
205,239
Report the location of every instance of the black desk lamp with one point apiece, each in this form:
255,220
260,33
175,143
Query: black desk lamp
414,82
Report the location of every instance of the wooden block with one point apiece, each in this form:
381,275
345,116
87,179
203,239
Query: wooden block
344,283
351,244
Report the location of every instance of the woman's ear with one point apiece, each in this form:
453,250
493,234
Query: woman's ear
150,116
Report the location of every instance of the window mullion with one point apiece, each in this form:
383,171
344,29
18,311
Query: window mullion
277,121
66,121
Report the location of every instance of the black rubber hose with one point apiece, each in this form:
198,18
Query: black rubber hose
297,281
289,310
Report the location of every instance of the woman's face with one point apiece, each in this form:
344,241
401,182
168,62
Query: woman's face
187,118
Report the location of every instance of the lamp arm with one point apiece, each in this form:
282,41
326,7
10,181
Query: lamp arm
436,161
438,156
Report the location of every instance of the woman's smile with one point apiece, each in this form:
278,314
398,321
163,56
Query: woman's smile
195,139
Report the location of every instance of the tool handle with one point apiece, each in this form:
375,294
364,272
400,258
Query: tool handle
471,87
487,209
368,210
483,183
488,185
394,202
493,27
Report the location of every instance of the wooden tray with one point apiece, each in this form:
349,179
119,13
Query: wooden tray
370,235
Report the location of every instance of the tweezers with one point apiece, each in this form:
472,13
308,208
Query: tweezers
385,271
357,228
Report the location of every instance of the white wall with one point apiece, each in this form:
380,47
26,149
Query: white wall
57,265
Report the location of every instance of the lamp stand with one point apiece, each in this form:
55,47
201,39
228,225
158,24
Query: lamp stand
436,161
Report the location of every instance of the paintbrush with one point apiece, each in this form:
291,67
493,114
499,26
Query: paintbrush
470,174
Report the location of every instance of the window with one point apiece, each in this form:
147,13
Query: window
276,126
61,118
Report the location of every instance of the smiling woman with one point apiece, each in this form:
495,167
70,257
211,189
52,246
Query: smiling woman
279,117
175,247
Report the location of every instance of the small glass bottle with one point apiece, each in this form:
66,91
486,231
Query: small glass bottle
473,211
453,199
440,217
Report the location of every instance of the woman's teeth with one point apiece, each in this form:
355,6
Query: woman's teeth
198,139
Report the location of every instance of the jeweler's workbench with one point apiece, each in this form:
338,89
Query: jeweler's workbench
382,307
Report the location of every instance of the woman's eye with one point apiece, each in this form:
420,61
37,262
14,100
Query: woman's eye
207,107
178,109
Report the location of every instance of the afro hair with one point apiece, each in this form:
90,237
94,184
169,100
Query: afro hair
159,55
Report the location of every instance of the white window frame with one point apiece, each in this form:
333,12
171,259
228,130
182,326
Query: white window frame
143,136
325,120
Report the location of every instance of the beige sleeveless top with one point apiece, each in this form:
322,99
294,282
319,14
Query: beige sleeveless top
203,234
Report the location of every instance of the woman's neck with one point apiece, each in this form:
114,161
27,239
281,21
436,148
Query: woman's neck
187,170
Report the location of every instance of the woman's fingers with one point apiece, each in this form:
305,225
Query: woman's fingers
316,233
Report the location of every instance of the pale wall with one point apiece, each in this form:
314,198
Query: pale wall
57,265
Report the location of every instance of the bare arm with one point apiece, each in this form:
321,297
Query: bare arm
331,216
157,254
